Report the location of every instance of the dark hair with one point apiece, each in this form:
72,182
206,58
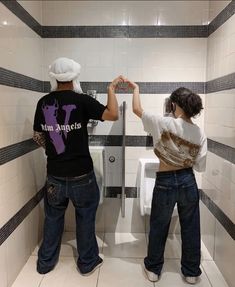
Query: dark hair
188,101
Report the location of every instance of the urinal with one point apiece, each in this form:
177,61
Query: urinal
145,183
98,158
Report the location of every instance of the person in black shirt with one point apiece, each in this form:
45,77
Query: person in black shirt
60,126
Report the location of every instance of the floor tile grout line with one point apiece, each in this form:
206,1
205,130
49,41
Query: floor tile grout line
206,275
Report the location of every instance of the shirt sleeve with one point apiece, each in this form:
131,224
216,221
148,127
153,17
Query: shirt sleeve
152,124
200,162
38,119
94,109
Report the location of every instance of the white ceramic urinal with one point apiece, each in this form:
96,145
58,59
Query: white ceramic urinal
97,155
145,183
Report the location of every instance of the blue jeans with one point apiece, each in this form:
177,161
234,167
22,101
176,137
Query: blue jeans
170,188
84,194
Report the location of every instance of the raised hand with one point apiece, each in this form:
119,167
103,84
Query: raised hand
131,84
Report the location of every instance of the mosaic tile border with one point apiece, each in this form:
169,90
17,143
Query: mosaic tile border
222,150
116,191
7,229
222,17
220,84
23,15
228,225
16,150
193,31
145,87
17,80
168,31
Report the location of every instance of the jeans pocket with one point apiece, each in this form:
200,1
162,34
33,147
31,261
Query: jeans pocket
191,193
162,194
85,194
53,191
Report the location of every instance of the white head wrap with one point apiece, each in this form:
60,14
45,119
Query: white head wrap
65,70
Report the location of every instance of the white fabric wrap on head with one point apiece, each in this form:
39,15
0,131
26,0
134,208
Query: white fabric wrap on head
65,70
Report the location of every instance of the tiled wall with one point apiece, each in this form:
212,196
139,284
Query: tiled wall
22,177
160,57
141,59
218,181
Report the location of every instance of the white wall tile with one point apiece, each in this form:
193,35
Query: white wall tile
225,253
18,251
207,228
3,265
221,50
125,13
34,8
20,48
171,59
215,7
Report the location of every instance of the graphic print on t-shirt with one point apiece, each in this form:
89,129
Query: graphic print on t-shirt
56,130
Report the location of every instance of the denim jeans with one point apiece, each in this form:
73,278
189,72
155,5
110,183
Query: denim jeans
170,188
84,194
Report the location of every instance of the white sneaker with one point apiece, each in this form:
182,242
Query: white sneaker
99,263
191,280
151,275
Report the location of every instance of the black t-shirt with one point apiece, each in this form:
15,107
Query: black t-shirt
63,116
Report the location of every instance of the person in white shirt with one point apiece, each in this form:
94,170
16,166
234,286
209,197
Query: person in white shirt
181,146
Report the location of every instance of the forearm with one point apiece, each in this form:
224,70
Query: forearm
112,104
136,103
39,138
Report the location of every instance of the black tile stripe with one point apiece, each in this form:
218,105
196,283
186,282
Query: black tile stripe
7,229
23,15
145,87
17,80
225,221
220,84
14,151
222,17
116,191
189,31
167,31
222,150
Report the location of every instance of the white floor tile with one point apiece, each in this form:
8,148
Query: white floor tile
124,272
28,276
213,274
132,245
69,246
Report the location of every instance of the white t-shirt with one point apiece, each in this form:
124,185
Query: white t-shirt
177,142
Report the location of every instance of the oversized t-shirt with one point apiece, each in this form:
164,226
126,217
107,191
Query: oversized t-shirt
63,116
177,142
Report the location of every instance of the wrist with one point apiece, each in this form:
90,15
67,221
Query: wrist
111,87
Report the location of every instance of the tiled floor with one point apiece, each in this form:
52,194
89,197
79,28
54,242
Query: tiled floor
124,253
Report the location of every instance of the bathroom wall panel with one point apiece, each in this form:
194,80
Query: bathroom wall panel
3,265
126,55
125,13
216,8
34,8
21,105
20,48
225,254
218,185
208,222
221,51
